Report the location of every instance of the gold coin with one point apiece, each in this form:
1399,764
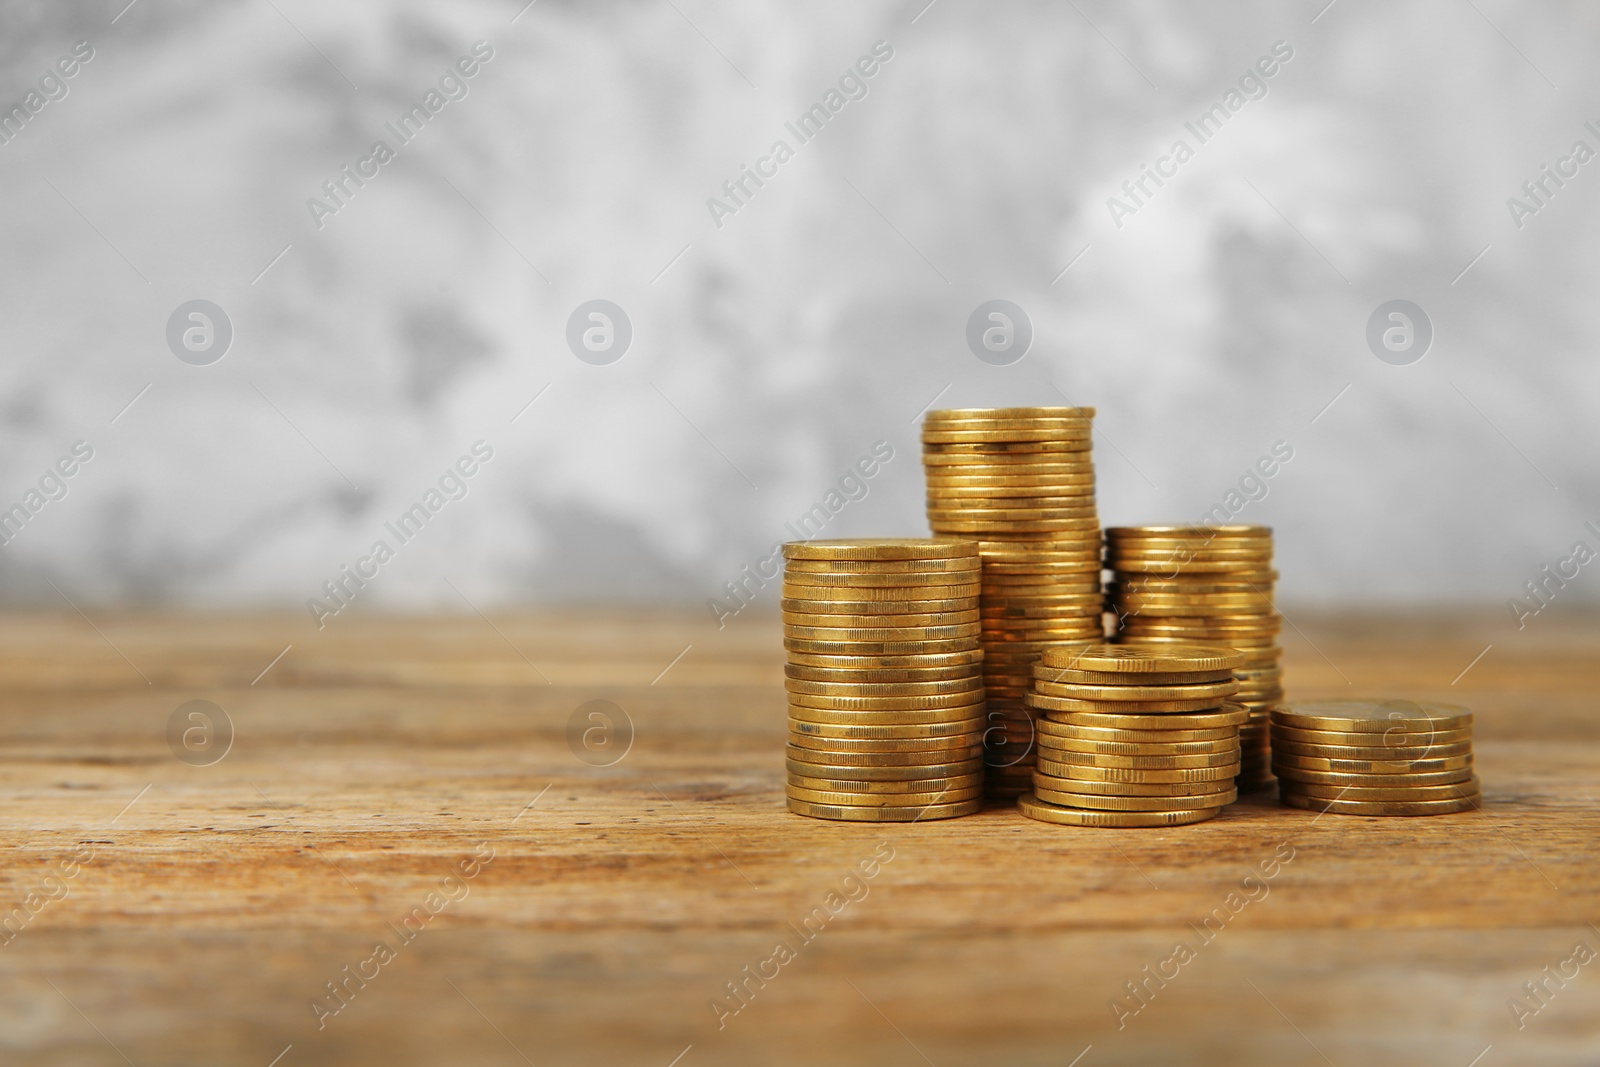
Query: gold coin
1084,787
883,633
1044,811
1224,532
1011,552
1382,807
823,597
1068,675
1024,414
842,717
1110,803
879,548
965,583
1230,714
1123,659
1240,646
970,684
1172,566
916,730
877,814
1013,527
1064,439
877,608
1466,787
886,744
1008,487
1182,611
835,772
1375,781
1372,716
1223,758
1213,691
1033,587
1136,707
898,702
1371,752
882,621
1370,766
1103,733
959,565
1404,738
878,648
1004,464
1054,743
1231,582
856,661
827,759
881,800
1061,571
1138,774
942,510
809,778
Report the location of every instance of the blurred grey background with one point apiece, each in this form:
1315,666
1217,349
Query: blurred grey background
774,344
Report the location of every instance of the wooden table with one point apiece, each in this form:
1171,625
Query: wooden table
192,914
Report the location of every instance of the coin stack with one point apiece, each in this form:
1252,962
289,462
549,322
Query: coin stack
1205,585
1020,482
1131,735
1374,757
885,679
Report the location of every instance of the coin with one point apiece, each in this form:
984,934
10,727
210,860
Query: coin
807,780
836,717
947,687
881,800
1377,752
879,548
886,744
1136,707
1355,766
1374,780
1044,811
858,661
799,583
1213,691
1085,787
1122,659
1069,675
1029,414
885,814
828,759
919,619
1101,733
889,702
1372,716
1116,803
1153,762
1171,565
1398,737
1137,774
1466,787
1050,742
881,648
1382,807
1230,714
945,729
981,442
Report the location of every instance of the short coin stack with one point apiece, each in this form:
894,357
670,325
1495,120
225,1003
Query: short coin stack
885,679
1020,482
1205,585
1134,736
1374,757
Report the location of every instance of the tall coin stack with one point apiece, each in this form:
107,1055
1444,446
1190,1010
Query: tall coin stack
1208,585
1374,757
1019,481
885,679
1134,736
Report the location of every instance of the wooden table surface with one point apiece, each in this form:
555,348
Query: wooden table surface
160,912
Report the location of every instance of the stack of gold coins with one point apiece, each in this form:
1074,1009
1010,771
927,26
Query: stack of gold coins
1020,482
1205,585
1134,736
1374,757
885,679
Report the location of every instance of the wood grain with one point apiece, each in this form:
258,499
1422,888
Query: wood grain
378,754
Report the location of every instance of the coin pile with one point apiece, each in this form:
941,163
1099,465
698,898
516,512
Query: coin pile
884,678
1020,482
1374,757
1131,735
1207,585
